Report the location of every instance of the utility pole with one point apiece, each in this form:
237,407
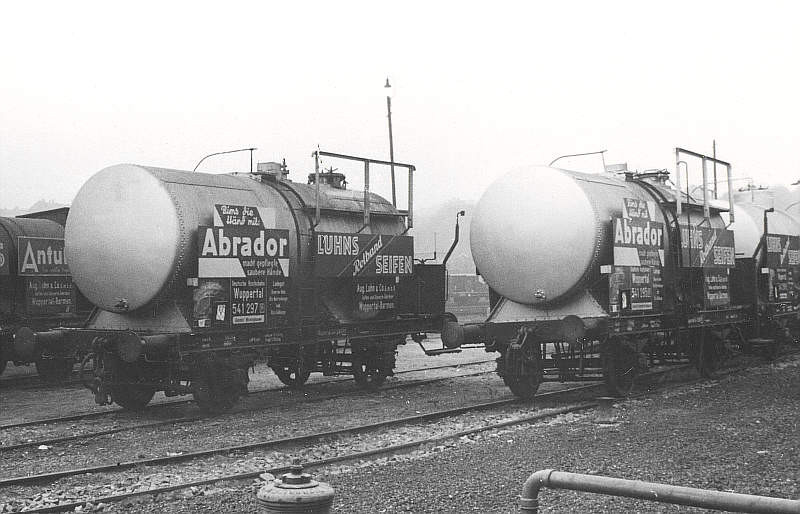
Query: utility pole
388,88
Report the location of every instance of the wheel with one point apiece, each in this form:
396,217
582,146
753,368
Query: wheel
54,370
218,389
292,376
709,357
521,369
126,391
132,397
620,367
781,337
368,369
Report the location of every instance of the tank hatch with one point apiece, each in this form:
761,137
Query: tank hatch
330,177
272,170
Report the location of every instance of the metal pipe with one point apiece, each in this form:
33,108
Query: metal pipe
730,194
663,493
714,154
410,223
601,152
323,153
706,210
678,201
455,240
316,185
366,193
228,151
391,145
700,156
411,169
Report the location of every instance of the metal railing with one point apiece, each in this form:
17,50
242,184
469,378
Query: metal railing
663,493
409,213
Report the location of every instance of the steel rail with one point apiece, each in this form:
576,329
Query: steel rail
397,448
99,433
355,456
121,466
34,381
172,403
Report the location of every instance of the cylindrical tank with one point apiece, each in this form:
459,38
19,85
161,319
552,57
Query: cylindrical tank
131,235
539,234
749,226
11,229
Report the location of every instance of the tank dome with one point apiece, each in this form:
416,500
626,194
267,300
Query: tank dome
533,235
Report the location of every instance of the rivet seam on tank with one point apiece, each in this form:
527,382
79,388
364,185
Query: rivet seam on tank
182,233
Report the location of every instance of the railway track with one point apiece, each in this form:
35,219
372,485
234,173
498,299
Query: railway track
302,439
354,456
317,438
26,382
77,437
172,403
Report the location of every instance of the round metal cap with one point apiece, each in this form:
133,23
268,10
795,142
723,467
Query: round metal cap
296,492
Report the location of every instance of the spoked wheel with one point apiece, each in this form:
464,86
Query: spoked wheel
781,336
217,389
54,370
521,367
368,368
620,367
127,390
709,355
292,375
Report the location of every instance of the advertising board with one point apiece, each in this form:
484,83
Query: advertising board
362,255
706,247
45,295
630,288
716,292
634,208
782,259
48,286
783,251
373,295
41,256
639,242
5,259
243,270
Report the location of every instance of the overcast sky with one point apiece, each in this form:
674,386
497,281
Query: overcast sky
480,88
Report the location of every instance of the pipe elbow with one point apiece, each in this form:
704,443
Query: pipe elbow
529,501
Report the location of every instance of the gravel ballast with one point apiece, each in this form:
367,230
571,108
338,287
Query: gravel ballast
736,434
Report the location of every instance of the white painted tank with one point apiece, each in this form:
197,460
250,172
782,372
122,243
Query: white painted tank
130,237
749,226
534,234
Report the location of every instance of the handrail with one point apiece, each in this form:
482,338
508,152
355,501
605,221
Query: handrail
651,491
600,152
410,167
705,159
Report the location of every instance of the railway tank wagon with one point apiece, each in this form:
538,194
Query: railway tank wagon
197,276
36,290
767,271
603,275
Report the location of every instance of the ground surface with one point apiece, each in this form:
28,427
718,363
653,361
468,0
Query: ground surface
740,433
